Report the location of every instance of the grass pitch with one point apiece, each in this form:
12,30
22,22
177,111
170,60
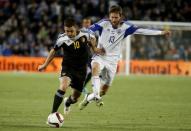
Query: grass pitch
140,103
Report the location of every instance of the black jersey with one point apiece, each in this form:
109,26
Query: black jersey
76,50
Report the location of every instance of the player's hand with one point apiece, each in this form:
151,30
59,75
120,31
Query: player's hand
167,33
100,51
41,67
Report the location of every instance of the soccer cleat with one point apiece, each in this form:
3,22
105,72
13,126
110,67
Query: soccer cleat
99,102
84,103
66,108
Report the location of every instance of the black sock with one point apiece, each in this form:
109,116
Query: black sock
70,101
57,100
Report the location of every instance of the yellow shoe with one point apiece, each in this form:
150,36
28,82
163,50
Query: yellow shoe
99,102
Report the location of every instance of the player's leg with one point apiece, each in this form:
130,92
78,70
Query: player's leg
72,99
98,65
91,97
96,69
58,98
104,90
96,79
77,84
88,78
107,78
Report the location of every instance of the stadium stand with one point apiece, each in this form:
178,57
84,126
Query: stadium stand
29,28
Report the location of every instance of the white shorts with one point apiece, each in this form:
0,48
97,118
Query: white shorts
107,69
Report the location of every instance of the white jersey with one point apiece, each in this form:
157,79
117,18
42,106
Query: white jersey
110,39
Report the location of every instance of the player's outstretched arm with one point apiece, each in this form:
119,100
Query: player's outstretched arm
144,31
47,61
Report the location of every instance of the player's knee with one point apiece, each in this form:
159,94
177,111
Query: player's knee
64,83
63,87
95,69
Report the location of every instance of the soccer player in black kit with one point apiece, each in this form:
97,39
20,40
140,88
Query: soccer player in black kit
74,44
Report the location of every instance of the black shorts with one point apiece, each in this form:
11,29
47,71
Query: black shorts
77,76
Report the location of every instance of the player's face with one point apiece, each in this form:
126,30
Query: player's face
70,31
115,19
86,23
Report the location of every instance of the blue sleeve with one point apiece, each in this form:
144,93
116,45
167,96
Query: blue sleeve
96,27
130,30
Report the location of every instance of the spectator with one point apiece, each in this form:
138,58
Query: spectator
30,27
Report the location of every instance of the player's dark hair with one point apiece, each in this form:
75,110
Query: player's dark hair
115,9
69,22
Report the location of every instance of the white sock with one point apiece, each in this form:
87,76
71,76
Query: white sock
96,86
90,97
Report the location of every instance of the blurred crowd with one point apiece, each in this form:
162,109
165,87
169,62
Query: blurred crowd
161,48
30,28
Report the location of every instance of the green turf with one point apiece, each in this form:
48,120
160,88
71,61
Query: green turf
141,103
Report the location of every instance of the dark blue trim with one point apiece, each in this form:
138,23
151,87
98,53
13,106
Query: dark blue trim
130,30
96,27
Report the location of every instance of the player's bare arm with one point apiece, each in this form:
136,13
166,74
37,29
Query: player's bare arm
96,50
49,58
145,31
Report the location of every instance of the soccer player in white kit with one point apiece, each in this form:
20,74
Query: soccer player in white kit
111,33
